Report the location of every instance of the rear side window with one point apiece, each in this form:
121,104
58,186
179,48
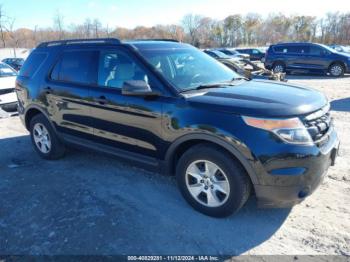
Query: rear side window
32,64
293,49
281,49
76,67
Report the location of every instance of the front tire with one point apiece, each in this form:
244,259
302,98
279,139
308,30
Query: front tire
336,70
279,67
44,138
212,181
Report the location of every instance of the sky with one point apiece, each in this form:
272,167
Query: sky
131,13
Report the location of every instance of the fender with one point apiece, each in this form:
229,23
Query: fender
44,112
215,140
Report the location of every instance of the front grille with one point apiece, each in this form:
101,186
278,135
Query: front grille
6,91
318,124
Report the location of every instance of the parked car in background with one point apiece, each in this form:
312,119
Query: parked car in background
306,58
8,97
170,107
255,54
233,53
222,57
15,63
340,48
245,67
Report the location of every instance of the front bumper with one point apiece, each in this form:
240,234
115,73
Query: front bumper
287,189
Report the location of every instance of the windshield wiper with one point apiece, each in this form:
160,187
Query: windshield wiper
240,78
205,86
216,85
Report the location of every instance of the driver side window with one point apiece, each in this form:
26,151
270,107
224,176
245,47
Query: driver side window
116,67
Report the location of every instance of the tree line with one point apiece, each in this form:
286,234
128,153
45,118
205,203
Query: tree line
235,30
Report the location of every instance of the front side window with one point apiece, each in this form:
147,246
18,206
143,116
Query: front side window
116,67
316,50
187,68
76,67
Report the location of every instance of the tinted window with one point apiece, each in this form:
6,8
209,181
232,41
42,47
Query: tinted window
293,49
32,64
302,49
281,49
316,50
225,52
76,67
212,54
116,67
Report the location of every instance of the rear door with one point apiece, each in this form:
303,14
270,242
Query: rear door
68,91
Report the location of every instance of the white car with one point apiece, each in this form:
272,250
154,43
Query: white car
8,97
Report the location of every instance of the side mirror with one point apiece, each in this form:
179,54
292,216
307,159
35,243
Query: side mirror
137,88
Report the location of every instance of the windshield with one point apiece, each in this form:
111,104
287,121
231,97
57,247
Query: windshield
328,48
188,68
220,54
5,71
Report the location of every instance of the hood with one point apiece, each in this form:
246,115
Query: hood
260,98
342,54
7,82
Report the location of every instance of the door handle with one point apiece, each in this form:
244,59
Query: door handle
101,100
47,90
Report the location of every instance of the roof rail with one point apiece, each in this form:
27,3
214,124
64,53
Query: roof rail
155,39
80,41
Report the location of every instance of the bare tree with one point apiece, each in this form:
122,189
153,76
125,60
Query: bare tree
191,24
96,25
12,35
59,25
3,21
234,30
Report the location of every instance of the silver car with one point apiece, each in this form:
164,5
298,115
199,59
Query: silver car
8,97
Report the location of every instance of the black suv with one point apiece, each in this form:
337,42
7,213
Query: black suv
170,107
255,54
307,58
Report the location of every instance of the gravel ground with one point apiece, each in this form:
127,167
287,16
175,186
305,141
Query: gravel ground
88,203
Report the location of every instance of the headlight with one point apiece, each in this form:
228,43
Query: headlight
289,130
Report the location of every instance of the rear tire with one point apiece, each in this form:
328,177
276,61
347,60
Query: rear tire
44,139
336,70
206,194
279,67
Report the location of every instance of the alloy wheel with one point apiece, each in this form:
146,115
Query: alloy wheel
42,138
336,70
207,183
278,69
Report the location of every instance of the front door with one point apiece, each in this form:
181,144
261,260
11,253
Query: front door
130,123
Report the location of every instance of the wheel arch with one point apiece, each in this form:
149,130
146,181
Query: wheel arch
279,61
185,142
337,62
33,111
